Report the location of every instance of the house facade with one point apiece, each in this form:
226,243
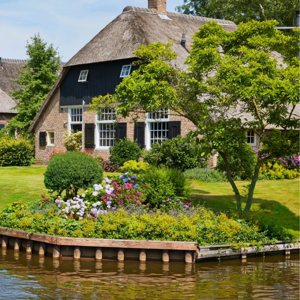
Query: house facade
9,71
99,67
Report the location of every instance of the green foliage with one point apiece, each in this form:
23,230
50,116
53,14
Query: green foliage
36,80
178,153
243,87
240,11
73,140
275,171
71,171
132,166
201,226
241,160
16,152
124,150
205,175
163,183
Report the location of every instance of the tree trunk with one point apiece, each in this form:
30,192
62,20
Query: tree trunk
252,187
235,189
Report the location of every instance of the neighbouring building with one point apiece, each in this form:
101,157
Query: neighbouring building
99,67
9,71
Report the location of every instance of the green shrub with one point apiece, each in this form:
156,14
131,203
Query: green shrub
201,226
73,141
241,161
16,152
71,171
163,183
205,175
124,150
178,153
132,166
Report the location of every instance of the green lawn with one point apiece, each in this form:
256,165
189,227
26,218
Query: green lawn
280,197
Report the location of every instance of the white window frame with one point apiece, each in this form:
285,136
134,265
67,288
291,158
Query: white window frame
254,135
97,135
150,121
125,66
85,76
48,138
70,122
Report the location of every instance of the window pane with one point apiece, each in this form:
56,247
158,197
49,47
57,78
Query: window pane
106,134
158,132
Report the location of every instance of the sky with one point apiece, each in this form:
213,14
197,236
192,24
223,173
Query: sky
66,24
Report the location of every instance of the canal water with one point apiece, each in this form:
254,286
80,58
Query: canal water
31,277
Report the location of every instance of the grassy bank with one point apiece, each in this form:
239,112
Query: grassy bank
279,198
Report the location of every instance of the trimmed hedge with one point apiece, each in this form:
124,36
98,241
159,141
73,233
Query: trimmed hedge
16,152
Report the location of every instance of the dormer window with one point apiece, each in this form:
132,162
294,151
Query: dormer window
83,76
125,71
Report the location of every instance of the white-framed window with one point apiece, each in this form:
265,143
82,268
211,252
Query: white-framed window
157,127
125,72
50,138
75,119
251,138
106,129
83,76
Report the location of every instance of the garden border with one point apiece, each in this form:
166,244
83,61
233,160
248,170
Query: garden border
98,249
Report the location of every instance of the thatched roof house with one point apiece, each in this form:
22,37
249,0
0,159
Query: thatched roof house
9,71
135,26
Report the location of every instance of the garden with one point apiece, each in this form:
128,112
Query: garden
167,193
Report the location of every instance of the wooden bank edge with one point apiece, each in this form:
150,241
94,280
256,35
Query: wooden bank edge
190,248
192,252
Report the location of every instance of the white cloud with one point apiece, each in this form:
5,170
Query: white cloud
67,24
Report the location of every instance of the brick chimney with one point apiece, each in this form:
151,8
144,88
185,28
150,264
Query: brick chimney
159,5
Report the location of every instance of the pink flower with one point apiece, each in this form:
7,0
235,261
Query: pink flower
115,183
139,202
127,196
145,185
105,200
118,198
102,197
119,204
138,193
131,181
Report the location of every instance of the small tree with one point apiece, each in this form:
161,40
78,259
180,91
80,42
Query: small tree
36,80
232,84
73,140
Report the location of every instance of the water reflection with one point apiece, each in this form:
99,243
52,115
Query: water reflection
32,277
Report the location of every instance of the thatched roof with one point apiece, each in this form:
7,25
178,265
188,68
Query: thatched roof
9,71
137,26
134,27
7,103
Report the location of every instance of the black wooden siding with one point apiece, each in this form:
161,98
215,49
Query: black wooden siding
102,79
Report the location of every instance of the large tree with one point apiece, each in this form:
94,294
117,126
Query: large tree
233,84
36,79
283,11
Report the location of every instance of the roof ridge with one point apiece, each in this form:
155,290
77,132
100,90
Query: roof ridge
153,11
13,60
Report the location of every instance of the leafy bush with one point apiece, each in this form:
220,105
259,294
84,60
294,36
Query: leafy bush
73,141
241,161
124,150
275,171
178,153
162,183
71,171
16,152
205,175
201,226
133,166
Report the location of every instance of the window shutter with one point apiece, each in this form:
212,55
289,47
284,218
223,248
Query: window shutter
174,129
43,141
121,131
89,135
139,134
